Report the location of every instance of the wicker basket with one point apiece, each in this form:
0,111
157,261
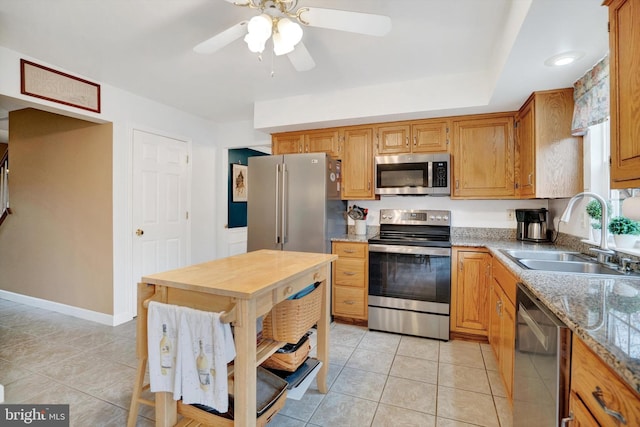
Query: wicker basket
290,319
289,361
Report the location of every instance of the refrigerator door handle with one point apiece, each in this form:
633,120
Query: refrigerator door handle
276,204
285,177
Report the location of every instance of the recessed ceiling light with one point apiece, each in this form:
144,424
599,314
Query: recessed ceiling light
564,58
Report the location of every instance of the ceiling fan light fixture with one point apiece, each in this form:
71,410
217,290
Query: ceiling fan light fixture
281,45
255,44
260,26
290,31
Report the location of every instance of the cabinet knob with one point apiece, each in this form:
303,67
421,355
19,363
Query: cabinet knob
139,232
349,273
349,302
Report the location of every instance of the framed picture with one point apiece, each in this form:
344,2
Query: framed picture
239,182
46,83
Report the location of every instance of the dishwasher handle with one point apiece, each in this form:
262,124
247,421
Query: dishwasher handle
533,325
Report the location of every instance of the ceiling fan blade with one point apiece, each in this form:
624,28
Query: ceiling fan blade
301,58
342,20
222,39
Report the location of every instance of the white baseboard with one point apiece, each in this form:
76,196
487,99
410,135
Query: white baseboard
82,313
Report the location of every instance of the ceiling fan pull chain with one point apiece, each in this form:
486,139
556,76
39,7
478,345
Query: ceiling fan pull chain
273,73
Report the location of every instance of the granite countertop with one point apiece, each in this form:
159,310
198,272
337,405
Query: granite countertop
604,311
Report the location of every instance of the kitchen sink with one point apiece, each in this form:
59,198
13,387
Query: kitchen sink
559,261
567,266
544,255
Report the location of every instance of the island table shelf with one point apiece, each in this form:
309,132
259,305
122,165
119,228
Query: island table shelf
249,285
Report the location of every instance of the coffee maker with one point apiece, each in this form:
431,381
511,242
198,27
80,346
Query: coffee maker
532,225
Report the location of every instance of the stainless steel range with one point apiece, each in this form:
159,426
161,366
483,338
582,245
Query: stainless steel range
410,273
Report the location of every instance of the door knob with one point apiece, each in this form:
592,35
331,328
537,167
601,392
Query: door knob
139,232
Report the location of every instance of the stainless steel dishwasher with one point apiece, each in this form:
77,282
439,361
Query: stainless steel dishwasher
542,364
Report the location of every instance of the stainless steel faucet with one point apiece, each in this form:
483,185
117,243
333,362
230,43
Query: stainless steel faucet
603,252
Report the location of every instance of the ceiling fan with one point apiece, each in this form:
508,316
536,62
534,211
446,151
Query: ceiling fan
279,21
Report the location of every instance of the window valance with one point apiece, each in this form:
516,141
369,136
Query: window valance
591,98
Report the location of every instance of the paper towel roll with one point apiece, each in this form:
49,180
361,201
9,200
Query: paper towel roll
631,208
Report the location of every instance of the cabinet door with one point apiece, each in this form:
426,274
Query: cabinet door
393,139
287,143
470,305
357,164
430,136
494,320
483,158
323,141
624,63
507,343
579,413
602,390
525,152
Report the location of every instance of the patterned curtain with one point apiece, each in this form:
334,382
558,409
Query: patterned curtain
591,98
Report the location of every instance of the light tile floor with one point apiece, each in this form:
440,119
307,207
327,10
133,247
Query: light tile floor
375,378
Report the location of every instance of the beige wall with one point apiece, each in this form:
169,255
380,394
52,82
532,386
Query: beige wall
58,244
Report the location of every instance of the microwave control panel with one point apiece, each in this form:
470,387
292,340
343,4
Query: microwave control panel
440,174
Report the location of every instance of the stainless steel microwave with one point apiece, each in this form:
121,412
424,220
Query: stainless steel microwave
413,174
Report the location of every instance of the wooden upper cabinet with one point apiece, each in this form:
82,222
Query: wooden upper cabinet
393,139
357,164
323,141
423,136
483,157
287,143
430,136
624,68
548,159
313,141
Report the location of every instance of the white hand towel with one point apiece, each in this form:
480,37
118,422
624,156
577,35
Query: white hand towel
202,357
162,331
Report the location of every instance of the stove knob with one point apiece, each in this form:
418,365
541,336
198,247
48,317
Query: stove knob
446,218
432,218
438,218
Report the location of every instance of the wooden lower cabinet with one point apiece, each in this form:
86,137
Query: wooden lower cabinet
470,281
350,280
594,387
579,414
502,325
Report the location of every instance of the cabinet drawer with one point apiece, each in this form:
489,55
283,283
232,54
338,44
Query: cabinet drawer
350,250
350,272
349,302
589,374
507,281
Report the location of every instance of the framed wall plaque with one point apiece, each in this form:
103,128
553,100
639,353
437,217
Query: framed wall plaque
239,182
46,83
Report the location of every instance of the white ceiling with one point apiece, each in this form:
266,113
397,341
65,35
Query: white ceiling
145,47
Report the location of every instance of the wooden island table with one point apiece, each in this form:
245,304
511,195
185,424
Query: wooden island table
247,286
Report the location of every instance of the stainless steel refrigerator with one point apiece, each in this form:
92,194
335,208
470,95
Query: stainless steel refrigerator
293,202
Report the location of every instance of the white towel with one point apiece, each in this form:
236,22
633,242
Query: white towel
162,331
202,357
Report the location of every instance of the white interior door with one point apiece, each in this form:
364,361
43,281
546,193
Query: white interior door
160,211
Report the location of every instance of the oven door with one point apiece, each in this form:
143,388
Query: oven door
410,273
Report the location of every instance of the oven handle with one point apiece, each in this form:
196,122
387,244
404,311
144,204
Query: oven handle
410,250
